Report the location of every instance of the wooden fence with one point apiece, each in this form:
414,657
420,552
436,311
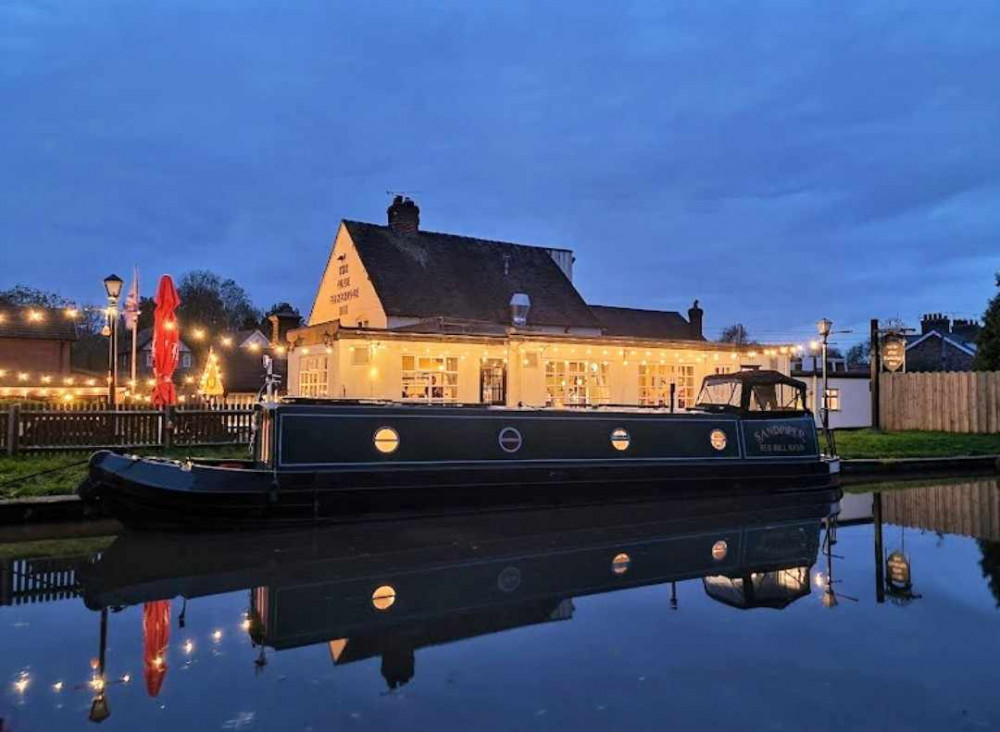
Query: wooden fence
952,401
40,428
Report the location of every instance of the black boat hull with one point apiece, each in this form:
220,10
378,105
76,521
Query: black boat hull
148,493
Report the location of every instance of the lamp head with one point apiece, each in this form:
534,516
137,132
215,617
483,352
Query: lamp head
113,286
824,326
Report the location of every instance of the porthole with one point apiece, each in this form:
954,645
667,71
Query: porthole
384,597
718,439
386,440
719,550
620,564
510,440
620,438
509,579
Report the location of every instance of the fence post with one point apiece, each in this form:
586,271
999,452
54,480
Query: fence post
13,420
168,427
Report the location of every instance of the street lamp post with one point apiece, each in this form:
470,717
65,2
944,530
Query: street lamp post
113,288
824,326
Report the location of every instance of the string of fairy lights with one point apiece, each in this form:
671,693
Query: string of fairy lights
19,382
23,383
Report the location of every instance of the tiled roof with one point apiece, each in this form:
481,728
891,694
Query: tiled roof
427,275
53,324
634,323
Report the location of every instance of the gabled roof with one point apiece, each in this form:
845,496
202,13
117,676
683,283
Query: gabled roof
427,275
53,325
144,339
243,370
631,322
968,348
241,336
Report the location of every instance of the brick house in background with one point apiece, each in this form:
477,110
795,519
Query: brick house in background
943,344
36,340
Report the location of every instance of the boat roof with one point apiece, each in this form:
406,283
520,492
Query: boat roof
754,378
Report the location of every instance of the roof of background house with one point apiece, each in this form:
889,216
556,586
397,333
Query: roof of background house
53,325
964,346
240,336
635,323
851,374
243,370
427,274
143,338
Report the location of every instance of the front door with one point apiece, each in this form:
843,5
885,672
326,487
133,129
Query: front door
493,381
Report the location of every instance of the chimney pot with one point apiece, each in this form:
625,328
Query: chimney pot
404,215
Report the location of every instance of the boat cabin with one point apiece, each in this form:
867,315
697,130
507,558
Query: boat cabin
750,392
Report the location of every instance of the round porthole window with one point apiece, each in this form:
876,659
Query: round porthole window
620,438
619,565
719,550
383,597
718,439
509,579
510,440
386,440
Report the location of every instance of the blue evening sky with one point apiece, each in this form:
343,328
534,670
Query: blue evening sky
780,161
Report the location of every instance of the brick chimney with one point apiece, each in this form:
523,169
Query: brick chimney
935,321
282,322
965,330
404,215
695,317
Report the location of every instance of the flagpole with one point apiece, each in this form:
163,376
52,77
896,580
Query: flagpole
135,322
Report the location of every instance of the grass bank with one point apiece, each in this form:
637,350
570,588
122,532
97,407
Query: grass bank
869,444
69,468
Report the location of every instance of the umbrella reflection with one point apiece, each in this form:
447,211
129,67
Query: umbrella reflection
155,637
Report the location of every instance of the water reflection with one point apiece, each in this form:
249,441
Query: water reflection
388,590
386,593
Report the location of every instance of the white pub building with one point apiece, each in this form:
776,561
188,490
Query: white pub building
409,315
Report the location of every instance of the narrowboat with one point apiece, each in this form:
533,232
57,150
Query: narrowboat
330,460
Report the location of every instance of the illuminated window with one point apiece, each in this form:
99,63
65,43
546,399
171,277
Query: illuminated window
718,439
360,356
384,597
430,379
186,360
620,438
719,550
655,380
313,376
569,383
833,400
386,440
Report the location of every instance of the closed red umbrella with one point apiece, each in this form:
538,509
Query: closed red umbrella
165,337
155,637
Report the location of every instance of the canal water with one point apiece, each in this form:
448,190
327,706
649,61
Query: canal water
731,613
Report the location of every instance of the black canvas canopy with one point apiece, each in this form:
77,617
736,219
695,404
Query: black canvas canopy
752,390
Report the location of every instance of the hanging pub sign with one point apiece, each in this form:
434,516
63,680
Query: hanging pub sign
894,352
898,571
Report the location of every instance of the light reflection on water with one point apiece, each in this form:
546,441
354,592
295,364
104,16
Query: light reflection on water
624,617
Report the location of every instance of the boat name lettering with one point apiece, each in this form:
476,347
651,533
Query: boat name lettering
780,438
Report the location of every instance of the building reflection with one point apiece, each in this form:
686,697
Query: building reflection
389,590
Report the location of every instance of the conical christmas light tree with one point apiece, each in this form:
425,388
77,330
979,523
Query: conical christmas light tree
211,377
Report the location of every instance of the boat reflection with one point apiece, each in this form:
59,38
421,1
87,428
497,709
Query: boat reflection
389,589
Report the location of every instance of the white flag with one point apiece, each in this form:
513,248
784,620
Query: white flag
132,302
